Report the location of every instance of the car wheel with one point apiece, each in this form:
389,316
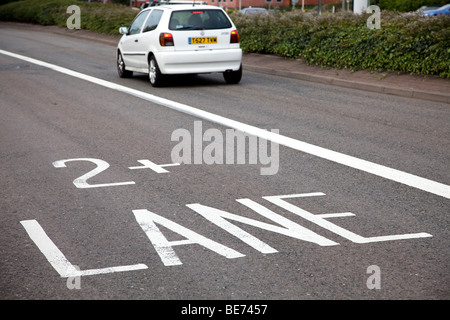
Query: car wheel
233,77
154,74
123,73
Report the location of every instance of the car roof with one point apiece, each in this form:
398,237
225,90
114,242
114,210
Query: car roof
183,6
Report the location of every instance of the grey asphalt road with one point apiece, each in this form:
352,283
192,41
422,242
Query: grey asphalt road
174,235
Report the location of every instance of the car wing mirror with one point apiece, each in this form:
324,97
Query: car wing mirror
123,30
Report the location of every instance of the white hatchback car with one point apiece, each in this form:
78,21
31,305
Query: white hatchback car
189,38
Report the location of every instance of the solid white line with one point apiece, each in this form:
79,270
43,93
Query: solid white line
408,179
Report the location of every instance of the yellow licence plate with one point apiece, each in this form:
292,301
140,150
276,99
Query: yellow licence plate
203,40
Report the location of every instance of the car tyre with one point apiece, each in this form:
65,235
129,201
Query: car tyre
233,77
123,73
154,74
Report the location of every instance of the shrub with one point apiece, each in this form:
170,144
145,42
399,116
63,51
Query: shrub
405,43
94,16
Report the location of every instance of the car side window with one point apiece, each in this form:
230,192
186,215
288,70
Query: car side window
136,25
153,20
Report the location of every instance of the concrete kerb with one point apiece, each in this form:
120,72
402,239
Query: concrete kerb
409,93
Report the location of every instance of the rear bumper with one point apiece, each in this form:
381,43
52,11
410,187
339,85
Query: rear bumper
201,61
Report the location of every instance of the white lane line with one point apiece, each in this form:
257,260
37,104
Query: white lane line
408,179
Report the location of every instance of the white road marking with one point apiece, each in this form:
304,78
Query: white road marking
158,168
289,228
81,182
408,179
320,219
164,247
57,259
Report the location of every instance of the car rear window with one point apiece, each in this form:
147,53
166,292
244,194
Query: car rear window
199,19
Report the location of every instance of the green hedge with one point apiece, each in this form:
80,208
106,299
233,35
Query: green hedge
97,17
405,43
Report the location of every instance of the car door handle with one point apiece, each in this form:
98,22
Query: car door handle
136,40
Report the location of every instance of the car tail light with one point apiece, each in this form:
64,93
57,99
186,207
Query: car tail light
234,38
166,39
